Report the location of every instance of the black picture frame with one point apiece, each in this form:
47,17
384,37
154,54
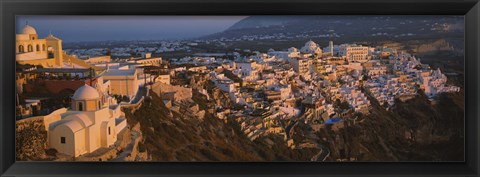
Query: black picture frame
10,8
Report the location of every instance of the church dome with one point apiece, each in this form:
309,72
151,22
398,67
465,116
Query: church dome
86,92
311,47
310,44
29,30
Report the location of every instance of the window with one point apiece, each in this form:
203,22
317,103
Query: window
109,131
80,106
21,49
30,48
62,140
38,47
43,47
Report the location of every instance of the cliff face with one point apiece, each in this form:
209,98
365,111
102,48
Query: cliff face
182,136
415,130
437,128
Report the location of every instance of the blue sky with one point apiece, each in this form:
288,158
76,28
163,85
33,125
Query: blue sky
101,28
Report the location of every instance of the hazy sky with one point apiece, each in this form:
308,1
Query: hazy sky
100,28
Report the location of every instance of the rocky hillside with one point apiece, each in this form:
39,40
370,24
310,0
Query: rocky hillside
182,136
415,130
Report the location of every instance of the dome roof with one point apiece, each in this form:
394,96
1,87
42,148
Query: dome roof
86,92
311,47
310,43
29,30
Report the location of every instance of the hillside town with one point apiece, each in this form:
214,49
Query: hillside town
81,95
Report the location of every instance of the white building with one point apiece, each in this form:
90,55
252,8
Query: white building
32,50
300,65
293,52
123,82
47,52
99,59
164,78
354,52
286,92
436,83
312,48
92,122
247,70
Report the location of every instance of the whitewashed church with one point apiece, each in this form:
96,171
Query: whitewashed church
92,122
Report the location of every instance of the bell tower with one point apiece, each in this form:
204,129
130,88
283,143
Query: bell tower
55,47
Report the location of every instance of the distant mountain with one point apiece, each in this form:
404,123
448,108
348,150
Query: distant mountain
344,26
264,21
